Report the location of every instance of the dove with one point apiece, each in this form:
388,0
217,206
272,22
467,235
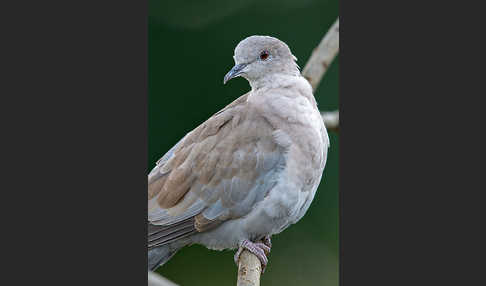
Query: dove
249,171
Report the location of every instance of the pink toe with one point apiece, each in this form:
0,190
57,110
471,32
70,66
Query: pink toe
259,249
264,247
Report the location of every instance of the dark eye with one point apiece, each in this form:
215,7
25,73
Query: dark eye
264,55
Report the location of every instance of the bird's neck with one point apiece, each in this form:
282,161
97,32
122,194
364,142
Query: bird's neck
295,82
273,80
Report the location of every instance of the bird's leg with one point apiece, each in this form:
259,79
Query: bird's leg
259,249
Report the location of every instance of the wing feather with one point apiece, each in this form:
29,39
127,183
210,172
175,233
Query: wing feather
216,172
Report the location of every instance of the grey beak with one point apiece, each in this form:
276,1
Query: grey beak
237,70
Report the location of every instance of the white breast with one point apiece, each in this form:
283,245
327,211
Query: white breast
305,138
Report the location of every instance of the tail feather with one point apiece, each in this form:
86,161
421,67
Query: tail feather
159,256
159,235
165,241
170,238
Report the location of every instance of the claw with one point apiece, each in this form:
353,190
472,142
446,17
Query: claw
264,247
267,241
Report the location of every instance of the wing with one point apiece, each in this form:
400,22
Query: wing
216,172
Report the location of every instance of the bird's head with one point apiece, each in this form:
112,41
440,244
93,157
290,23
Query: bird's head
259,56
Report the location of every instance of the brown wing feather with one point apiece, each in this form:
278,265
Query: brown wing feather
212,174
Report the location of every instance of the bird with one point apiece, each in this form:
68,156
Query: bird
249,171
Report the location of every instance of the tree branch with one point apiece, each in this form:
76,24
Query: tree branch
319,63
155,279
249,267
322,56
331,120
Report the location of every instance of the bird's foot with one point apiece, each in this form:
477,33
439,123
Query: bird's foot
259,249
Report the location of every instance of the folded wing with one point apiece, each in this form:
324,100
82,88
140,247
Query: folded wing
218,171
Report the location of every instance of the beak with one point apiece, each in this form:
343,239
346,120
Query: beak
236,71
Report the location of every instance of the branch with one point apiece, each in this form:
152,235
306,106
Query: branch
331,120
249,267
157,280
322,56
318,64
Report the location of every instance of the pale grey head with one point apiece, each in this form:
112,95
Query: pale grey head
259,56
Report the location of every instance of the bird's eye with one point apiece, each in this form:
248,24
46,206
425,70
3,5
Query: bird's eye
264,55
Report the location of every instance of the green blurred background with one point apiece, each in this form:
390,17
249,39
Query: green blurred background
191,46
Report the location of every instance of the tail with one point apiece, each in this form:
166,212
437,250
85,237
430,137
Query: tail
159,256
165,241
